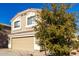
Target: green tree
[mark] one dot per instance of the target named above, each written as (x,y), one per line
(55,29)
(1,26)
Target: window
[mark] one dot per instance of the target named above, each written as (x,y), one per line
(16,24)
(31,20)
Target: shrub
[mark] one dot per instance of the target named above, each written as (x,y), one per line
(75,44)
(59,50)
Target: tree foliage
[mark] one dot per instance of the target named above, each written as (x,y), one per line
(55,29)
(4,39)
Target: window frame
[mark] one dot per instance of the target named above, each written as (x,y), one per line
(27,18)
(15,24)
(17,19)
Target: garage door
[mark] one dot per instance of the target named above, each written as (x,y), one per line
(25,43)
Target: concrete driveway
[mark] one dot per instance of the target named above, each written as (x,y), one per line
(7,52)
(10,52)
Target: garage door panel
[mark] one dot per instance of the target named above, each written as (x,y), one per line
(23,43)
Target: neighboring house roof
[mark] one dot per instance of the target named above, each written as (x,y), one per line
(5,28)
(5,25)
(25,11)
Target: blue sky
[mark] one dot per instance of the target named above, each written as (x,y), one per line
(9,10)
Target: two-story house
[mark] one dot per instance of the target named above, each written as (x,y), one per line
(22,32)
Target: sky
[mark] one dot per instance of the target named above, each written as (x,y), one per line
(9,10)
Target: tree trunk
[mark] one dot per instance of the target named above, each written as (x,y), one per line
(45,49)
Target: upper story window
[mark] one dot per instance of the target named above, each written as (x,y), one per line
(16,24)
(31,21)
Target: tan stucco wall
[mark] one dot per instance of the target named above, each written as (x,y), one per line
(25,43)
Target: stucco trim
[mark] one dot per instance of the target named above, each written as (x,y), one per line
(25,11)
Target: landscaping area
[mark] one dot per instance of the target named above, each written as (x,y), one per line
(10,52)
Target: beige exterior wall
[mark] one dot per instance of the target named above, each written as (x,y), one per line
(25,43)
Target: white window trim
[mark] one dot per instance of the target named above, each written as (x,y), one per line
(14,22)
